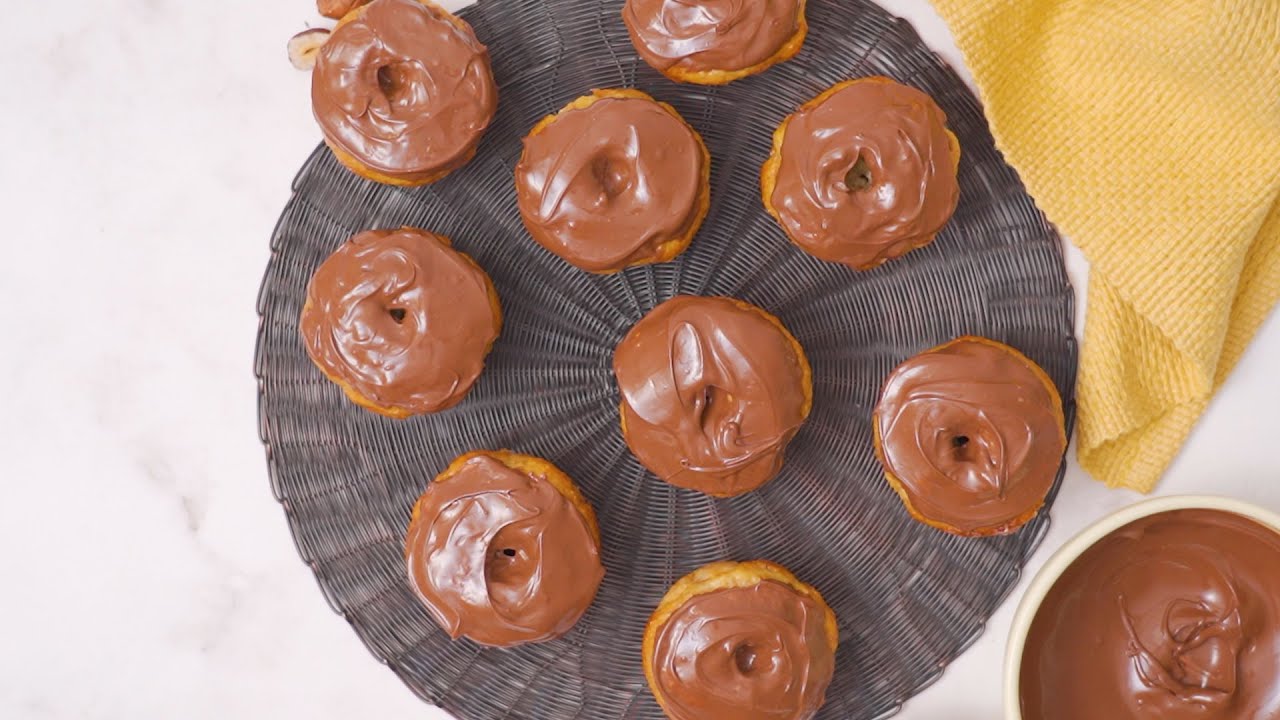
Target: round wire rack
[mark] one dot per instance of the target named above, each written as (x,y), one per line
(909,599)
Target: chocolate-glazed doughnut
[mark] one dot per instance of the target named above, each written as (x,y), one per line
(504,549)
(746,641)
(863,173)
(712,389)
(612,180)
(400,321)
(403,91)
(712,42)
(1172,617)
(971,435)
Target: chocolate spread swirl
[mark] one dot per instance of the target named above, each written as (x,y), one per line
(605,185)
(501,556)
(710,35)
(866,174)
(712,392)
(750,653)
(1173,616)
(404,88)
(401,319)
(972,432)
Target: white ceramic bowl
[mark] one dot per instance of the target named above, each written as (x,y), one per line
(1068,553)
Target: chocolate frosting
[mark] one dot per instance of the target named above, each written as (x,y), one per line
(401,319)
(750,653)
(712,392)
(501,556)
(710,35)
(404,88)
(890,141)
(973,434)
(604,186)
(1173,616)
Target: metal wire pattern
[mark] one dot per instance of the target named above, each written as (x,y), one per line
(909,598)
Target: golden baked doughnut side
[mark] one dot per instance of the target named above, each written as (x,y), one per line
(723,427)
(723,576)
(316,323)
(504,549)
(711,75)
(1059,439)
(418,177)
(662,252)
(884,250)
(537,467)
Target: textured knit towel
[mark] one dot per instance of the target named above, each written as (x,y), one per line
(1149,132)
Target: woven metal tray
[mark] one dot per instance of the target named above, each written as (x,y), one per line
(909,598)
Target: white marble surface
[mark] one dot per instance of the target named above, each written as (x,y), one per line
(146,570)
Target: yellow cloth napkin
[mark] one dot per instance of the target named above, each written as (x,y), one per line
(1148,131)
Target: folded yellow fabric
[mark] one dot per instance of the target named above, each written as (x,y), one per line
(1148,131)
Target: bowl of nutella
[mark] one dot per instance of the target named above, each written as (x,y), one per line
(1166,609)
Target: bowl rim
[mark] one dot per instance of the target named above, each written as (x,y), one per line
(1067,554)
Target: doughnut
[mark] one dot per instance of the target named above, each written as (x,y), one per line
(712,391)
(713,42)
(400,321)
(504,549)
(863,173)
(403,92)
(971,435)
(1174,616)
(614,179)
(741,640)
(338,9)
